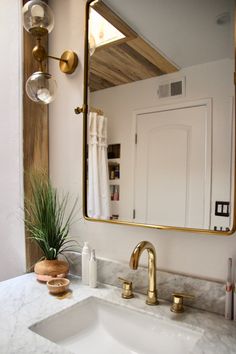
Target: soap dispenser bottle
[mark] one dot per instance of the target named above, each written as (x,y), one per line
(85,263)
(93,270)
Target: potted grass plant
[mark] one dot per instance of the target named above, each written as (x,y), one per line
(48,222)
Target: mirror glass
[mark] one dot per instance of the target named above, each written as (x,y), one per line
(160,117)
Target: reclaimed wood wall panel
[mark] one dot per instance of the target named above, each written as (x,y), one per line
(35,137)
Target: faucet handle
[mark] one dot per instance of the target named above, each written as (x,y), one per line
(178,298)
(127,291)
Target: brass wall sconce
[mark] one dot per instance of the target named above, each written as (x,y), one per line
(38,20)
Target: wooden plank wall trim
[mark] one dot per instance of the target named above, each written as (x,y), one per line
(35,137)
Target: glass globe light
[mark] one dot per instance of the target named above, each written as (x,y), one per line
(92,44)
(38,18)
(41,87)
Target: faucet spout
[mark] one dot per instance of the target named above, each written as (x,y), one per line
(134,262)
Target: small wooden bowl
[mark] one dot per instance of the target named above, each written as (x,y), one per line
(58,285)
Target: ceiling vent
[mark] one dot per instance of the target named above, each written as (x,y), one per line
(174,88)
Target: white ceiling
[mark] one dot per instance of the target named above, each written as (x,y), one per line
(185,31)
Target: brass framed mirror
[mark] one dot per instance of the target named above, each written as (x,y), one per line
(159,116)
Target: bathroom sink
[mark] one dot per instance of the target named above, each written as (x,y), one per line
(98,326)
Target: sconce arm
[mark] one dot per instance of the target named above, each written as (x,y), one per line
(56,58)
(68,61)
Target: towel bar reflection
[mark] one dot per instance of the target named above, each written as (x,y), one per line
(79,110)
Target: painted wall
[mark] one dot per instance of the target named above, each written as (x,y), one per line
(12,240)
(196,254)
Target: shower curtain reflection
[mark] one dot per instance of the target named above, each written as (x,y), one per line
(98,182)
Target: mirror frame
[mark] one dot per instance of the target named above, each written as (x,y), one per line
(84,109)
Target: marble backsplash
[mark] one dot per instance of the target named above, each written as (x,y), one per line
(209,295)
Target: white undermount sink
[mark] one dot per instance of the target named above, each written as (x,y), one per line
(98,326)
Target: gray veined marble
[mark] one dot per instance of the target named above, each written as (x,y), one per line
(209,295)
(25,302)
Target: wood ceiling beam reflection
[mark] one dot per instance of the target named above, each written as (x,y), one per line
(126,65)
(157,59)
(124,61)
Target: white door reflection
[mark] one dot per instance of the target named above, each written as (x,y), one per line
(173,149)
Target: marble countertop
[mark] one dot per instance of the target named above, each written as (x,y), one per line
(24,302)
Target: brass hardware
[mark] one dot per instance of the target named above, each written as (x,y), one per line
(97,110)
(56,58)
(178,299)
(79,110)
(39,26)
(38,32)
(134,260)
(127,291)
(39,53)
(68,62)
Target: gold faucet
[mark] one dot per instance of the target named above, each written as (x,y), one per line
(134,259)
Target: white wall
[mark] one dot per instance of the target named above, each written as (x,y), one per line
(12,239)
(195,254)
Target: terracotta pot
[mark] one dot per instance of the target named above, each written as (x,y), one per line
(48,269)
